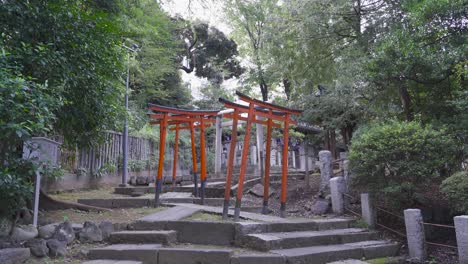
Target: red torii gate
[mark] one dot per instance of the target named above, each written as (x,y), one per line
(183,120)
(272,113)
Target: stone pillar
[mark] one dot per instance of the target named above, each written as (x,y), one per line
(260,146)
(461,228)
(346,174)
(415,234)
(253,155)
(337,189)
(326,169)
(368,210)
(293,154)
(218,146)
(302,156)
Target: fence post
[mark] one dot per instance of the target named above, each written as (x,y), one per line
(368,209)
(415,234)
(461,229)
(337,188)
(326,169)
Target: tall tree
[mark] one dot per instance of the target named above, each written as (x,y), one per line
(208,52)
(249,19)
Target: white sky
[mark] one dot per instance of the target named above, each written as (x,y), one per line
(210,11)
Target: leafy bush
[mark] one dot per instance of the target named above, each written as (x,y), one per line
(26,109)
(455,188)
(400,160)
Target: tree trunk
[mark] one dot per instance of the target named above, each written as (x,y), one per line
(263,89)
(287,88)
(405,99)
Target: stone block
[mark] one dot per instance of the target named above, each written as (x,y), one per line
(461,229)
(194,256)
(146,253)
(368,210)
(14,255)
(415,234)
(258,259)
(337,188)
(203,232)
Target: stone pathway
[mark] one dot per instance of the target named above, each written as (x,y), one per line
(167,237)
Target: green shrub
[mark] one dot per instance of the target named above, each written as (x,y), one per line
(455,188)
(400,160)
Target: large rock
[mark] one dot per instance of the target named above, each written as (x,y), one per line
(56,248)
(47,231)
(142,180)
(64,232)
(38,247)
(257,190)
(132,180)
(90,232)
(77,228)
(106,229)
(24,232)
(14,255)
(5,227)
(321,206)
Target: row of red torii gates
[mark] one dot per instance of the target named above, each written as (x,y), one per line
(270,115)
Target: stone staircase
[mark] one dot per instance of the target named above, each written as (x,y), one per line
(164,238)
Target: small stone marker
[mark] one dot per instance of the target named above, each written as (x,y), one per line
(337,188)
(326,169)
(461,228)
(415,234)
(368,210)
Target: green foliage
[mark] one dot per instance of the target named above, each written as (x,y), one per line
(400,161)
(208,52)
(455,188)
(154,65)
(15,192)
(26,110)
(74,46)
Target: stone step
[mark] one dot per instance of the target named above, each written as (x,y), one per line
(324,254)
(146,253)
(164,237)
(111,261)
(171,214)
(196,255)
(284,240)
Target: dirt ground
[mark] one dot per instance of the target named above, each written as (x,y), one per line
(127,215)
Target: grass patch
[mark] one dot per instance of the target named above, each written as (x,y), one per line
(103,193)
(204,217)
(124,215)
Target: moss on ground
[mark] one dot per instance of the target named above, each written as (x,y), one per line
(103,193)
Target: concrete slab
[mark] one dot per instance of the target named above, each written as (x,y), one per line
(164,237)
(269,241)
(146,253)
(171,214)
(258,259)
(194,256)
(176,195)
(243,215)
(348,261)
(203,232)
(325,254)
(110,261)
